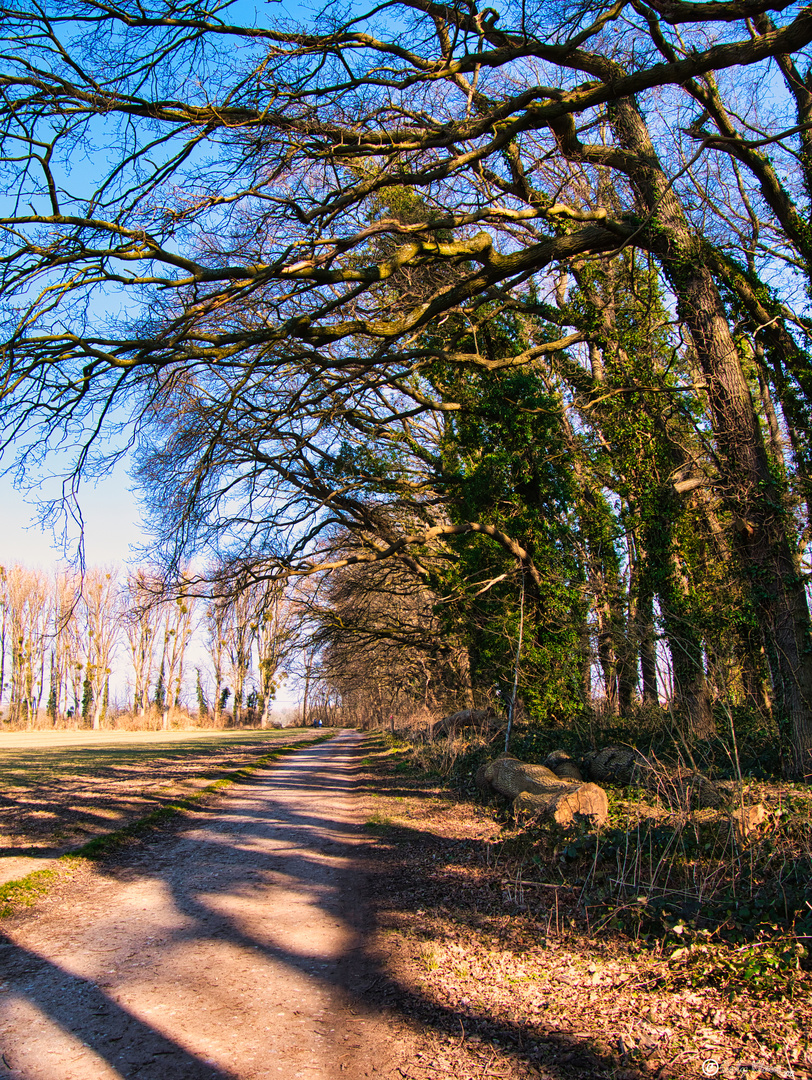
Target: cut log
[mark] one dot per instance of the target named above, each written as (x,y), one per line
(511,777)
(536,789)
(574,804)
(697,790)
(747,819)
(483,719)
(616,765)
(449,725)
(563,765)
(676,786)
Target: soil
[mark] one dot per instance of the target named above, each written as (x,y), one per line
(228,946)
(341,915)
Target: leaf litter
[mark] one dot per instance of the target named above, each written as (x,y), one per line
(499,976)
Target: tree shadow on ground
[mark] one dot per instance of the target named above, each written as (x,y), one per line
(278,831)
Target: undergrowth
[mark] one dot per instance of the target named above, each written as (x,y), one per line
(716,906)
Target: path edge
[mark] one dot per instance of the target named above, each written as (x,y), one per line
(24,892)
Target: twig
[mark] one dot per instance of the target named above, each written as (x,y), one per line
(512,712)
(486,1067)
(537,884)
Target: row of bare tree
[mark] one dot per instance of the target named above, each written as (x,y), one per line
(515,299)
(63,635)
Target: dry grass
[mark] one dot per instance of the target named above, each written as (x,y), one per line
(495,941)
(662,872)
(61,793)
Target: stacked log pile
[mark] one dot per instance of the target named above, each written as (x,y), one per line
(537,790)
(483,720)
(560,791)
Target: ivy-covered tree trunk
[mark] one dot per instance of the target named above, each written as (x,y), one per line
(628,669)
(749,487)
(648,641)
(616,637)
(646,446)
(666,578)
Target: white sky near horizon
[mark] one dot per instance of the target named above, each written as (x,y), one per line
(111,518)
(112,533)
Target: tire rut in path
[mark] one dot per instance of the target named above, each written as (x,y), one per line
(232,947)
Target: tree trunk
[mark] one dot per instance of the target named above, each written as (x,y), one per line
(748,486)
(648,646)
(628,638)
(537,790)
(606,654)
(665,577)
(308,667)
(687,654)
(266,711)
(3,640)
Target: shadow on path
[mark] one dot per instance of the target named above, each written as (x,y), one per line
(261,903)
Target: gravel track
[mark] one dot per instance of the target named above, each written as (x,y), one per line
(230,946)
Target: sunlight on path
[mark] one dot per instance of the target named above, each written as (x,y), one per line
(222,950)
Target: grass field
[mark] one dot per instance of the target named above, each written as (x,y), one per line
(60,789)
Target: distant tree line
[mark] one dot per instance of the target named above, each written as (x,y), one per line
(63,636)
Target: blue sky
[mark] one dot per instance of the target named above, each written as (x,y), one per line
(112,524)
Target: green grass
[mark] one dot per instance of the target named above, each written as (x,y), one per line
(27,890)
(378,821)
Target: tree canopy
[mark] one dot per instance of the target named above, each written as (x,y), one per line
(416,276)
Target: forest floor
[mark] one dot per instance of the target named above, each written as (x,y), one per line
(508,981)
(343,913)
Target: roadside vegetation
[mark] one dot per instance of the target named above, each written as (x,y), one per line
(648,948)
(463,357)
(668,873)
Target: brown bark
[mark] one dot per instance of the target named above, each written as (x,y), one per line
(449,725)
(537,790)
(675,785)
(749,487)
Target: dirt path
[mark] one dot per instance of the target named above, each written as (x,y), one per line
(230,947)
